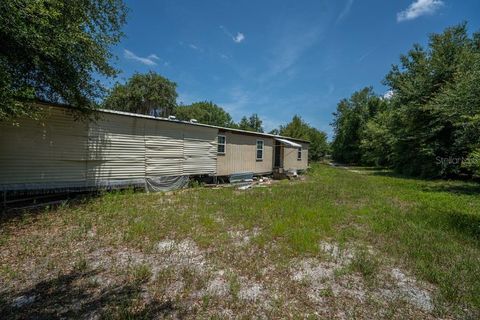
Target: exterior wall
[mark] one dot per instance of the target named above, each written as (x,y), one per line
(240,154)
(116,151)
(164,149)
(58,152)
(290,161)
(200,150)
(52,151)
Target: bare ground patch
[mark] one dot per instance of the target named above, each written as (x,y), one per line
(341,282)
(180,277)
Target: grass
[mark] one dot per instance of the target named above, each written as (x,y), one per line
(141,273)
(431,228)
(366,265)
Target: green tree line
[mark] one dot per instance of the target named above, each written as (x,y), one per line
(429,123)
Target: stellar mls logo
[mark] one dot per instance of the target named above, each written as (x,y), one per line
(455,161)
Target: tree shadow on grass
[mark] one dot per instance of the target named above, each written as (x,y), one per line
(393,174)
(464,223)
(471,189)
(439,185)
(76,296)
(36,204)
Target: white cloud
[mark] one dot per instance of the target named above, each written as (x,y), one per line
(367,53)
(289,48)
(388,95)
(345,10)
(419,8)
(237,39)
(149,60)
(194,47)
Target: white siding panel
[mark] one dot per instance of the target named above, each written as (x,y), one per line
(164,149)
(116,151)
(200,150)
(49,151)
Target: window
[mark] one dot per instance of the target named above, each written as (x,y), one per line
(221,145)
(299,154)
(259,149)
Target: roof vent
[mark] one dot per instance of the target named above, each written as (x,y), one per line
(193,121)
(173,118)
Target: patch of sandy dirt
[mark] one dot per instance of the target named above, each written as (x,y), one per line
(252,291)
(218,285)
(333,279)
(409,289)
(182,272)
(169,253)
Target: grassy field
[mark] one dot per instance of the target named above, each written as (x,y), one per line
(343,243)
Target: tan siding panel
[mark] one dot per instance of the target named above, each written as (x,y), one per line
(290,161)
(240,155)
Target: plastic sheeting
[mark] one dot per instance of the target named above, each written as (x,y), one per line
(156,184)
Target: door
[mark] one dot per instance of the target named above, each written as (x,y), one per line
(278,161)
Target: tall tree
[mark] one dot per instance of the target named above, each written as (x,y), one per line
(205,112)
(148,93)
(253,123)
(436,99)
(349,123)
(431,125)
(377,140)
(297,128)
(50,49)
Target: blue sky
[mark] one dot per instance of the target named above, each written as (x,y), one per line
(279,58)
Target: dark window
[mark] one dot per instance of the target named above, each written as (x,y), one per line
(299,153)
(259,149)
(221,145)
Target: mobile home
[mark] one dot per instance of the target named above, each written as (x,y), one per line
(259,153)
(123,149)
